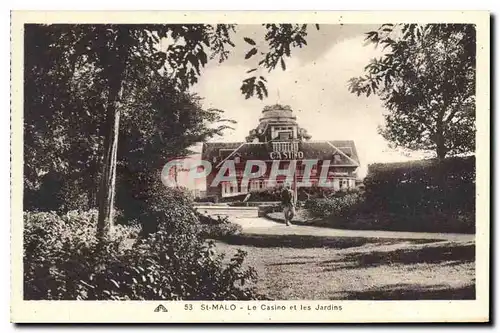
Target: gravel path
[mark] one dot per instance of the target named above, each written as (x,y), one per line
(247,218)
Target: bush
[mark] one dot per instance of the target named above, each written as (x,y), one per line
(218,228)
(422,187)
(58,249)
(220,231)
(209,200)
(168,209)
(335,206)
(64,261)
(54,192)
(274,195)
(427,196)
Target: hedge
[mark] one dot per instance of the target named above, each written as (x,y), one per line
(422,187)
(426,196)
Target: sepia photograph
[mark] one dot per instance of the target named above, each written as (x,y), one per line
(206,164)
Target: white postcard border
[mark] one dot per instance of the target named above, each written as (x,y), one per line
(352,311)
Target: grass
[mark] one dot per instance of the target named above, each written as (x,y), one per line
(296,241)
(291,267)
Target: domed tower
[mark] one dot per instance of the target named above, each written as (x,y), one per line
(278,123)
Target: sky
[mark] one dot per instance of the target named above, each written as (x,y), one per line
(314,85)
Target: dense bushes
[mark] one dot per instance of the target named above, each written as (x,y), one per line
(339,206)
(218,228)
(274,194)
(428,195)
(209,200)
(168,209)
(54,192)
(59,249)
(422,187)
(64,260)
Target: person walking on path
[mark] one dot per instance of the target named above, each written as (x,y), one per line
(288,203)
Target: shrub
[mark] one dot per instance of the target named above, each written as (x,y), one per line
(60,248)
(63,260)
(220,231)
(422,187)
(428,195)
(164,267)
(205,200)
(339,206)
(315,192)
(54,192)
(274,195)
(218,228)
(168,209)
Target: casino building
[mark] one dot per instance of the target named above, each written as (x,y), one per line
(278,137)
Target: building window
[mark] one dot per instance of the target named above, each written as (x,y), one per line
(344,183)
(285,135)
(284,147)
(228,188)
(254,185)
(314,170)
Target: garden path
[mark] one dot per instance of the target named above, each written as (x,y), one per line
(252,224)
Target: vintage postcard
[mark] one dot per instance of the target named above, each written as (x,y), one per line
(250,167)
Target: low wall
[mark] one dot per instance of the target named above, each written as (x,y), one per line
(218,207)
(235,204)
(252,203)
(261,208)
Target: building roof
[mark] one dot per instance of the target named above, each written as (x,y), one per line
(278,113)
(216,152)
(212,149)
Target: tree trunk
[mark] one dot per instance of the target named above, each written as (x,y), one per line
(441,150)
(114,63)
(107,186)
(440,141)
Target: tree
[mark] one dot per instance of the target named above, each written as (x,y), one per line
(159,124)
(121,53)
(426,80)
(64,132)
(63,119)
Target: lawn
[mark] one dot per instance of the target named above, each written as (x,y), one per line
(358,268)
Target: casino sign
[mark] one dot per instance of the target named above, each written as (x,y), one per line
(279,139)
